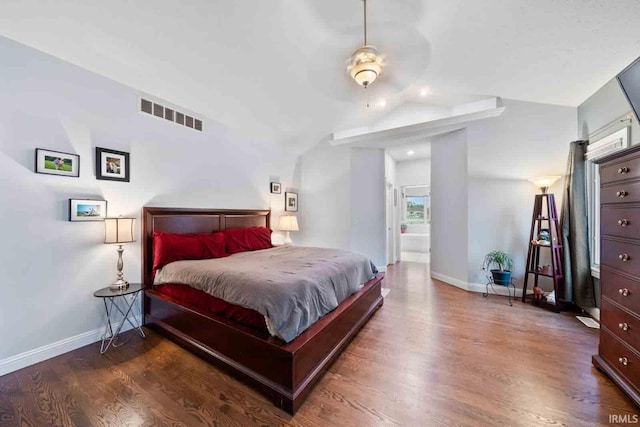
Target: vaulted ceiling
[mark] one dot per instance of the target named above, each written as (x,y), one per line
(277,68)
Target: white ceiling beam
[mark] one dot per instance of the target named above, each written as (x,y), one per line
(411,133)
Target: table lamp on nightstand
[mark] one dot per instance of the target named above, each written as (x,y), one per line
(288,223)
(119,230)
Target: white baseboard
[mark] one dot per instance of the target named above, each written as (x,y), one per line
(31,357)
(473,287)
(450,280)
(381,268)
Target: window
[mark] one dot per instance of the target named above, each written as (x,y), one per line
(415,205)
(416,209)
(598,149)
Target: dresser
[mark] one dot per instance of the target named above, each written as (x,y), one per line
(619,350)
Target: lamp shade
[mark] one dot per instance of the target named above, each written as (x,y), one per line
(544,181)
(288,223)
(365,74)
(119,230)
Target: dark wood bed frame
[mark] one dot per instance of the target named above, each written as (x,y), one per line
(285,373)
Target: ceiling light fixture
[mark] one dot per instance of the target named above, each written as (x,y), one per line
(424,92)
(410,153)
(382,103)
(366,63)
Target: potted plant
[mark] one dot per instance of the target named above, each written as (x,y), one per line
(503,262)
(403,228)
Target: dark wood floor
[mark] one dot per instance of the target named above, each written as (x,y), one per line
(433,355)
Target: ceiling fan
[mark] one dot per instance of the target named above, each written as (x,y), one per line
(366,63)
(404,62)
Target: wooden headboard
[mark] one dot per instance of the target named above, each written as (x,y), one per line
(185,220)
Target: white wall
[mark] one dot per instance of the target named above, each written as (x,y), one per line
(604,106)
(449,207)
(325,180)
(480,197)
(368,227)
(528,140)
(479,187)
(500,219)
(413,172)
(390,166)
(343,190)
(49,266)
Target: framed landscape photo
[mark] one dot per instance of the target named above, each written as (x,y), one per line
(87,210)
(57,163)
(291,202)
(112,165)
(276,188)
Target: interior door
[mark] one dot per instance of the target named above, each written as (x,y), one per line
(390,219)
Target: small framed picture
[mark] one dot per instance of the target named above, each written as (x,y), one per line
(57,163)
(87,210)
(275,188)
(112,165)
(291,202)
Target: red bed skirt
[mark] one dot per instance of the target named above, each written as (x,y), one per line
(196,299)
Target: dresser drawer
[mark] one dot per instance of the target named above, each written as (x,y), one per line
(620,323)
(621,192)
(619,356)
(620,221)
(625,292)
(621,256)
(626,167)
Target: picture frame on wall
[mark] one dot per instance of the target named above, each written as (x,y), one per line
(51,162)
(83,210)
(112,165)
(290,202)
(276,188)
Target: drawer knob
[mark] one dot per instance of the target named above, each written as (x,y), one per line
(623,170)
(621,194)
(623,361)
(623,326)
(623,222)
(623,257)
(624,292)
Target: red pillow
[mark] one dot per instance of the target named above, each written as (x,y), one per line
(169,247)
(247,239)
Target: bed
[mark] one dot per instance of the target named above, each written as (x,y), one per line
(283,372)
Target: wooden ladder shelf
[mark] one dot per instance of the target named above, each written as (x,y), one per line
(555,246)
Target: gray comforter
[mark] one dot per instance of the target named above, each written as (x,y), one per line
(290,285)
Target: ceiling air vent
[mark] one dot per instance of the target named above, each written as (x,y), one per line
(170,114)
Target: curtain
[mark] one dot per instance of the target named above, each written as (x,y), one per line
(578,283)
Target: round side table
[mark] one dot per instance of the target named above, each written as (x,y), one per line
(120,301)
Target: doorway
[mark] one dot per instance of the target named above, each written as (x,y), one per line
(415,238)
(391,203)
(408,202)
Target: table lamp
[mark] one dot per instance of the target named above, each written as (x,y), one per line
(288,223)
(119,230)
(544,182)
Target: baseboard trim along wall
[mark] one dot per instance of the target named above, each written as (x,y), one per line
(381,268)
(473,287)
(40,354)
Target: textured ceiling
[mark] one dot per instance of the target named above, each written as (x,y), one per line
(276,69)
